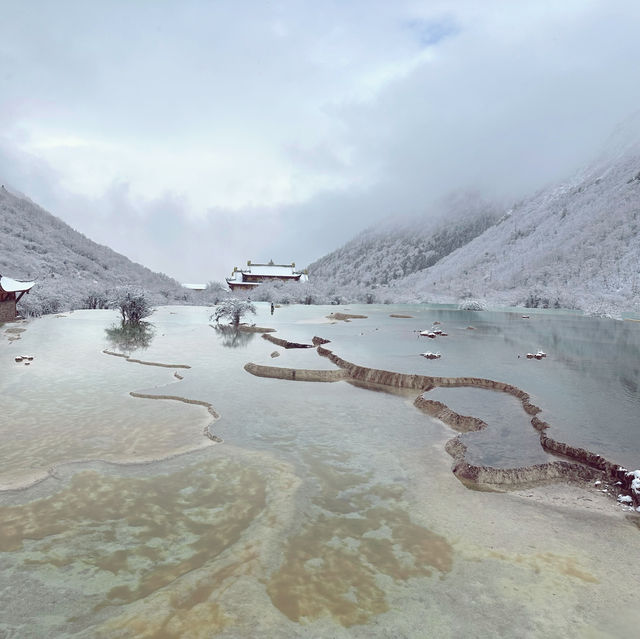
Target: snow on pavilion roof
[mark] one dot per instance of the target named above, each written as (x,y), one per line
(267,270)
(9,285)
(276,270)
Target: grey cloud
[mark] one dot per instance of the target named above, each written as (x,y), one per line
(357,111)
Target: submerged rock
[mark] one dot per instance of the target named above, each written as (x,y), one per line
(285,343)
(345,317)
(295,374)
(252,328)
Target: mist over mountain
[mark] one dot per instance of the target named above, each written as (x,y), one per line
(573,245)
(399,247)
(576,245)
(66,265)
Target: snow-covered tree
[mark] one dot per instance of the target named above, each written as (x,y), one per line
(132,304)
(234,309)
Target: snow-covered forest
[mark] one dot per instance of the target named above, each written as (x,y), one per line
(398,248)
(574,245)
(70,270)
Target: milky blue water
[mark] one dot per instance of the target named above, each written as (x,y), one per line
(588,385)
(329,510)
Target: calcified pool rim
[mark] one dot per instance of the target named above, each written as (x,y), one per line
(366,470)
(584,465)
(51,472)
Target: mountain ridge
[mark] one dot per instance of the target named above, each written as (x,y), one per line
(66,265)
(574,244)
(409,245)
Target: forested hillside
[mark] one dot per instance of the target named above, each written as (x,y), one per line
(576,245)
(395,249)
(67,266)
(573,245)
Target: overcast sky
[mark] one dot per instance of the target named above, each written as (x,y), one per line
(194,135)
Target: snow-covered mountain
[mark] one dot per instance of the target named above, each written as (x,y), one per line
(398,248)
(573,245)
(67,266)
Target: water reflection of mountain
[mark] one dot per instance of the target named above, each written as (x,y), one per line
(232,337)
(600,348)
(127,337)
(604,348)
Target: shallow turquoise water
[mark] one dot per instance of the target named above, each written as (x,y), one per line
(588,385)
(329,510)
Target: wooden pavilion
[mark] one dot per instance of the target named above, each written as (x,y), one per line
(11,291)
(255,274)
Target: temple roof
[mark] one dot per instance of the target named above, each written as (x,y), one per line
(274,270)
(277,271)
(9,285)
